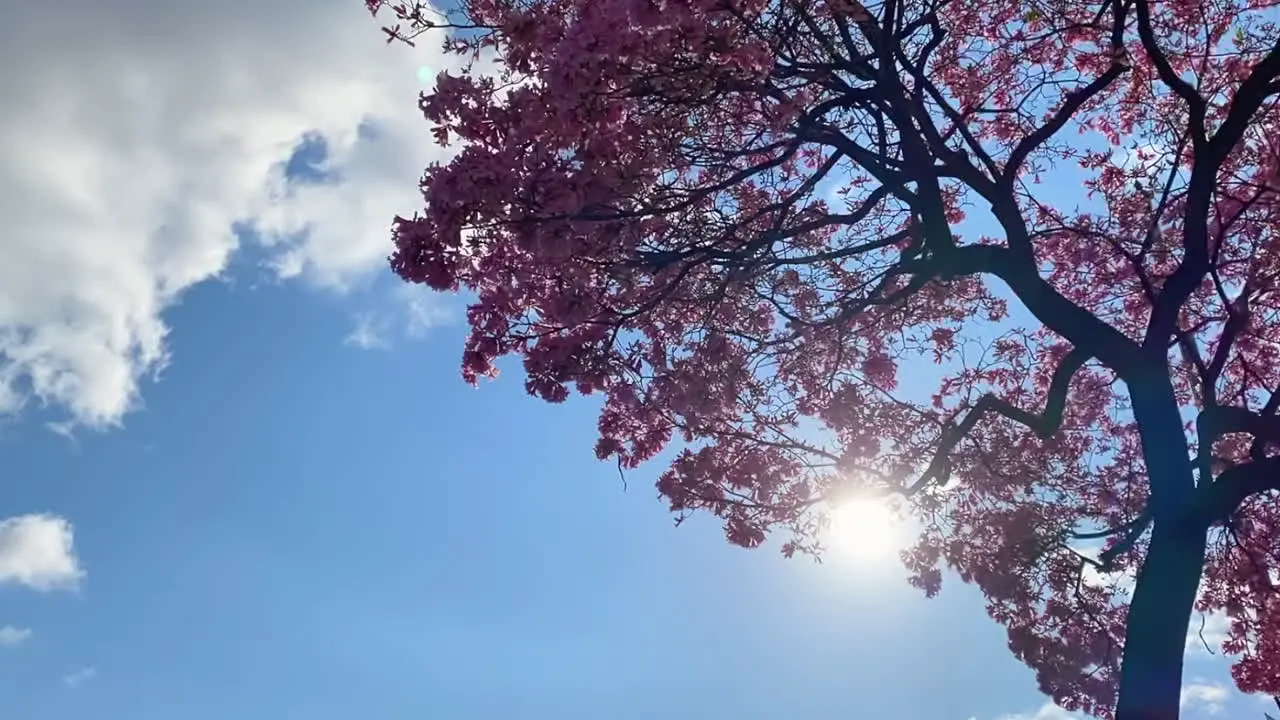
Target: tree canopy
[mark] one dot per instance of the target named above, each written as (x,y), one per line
(1014,261)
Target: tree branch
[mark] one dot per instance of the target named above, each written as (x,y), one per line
(1078,326)
(1253,91)
(1237,319)
(1120,64)
(1064,114)
(1107,558)
(1209,158)
(1044,424)
(1115,530)
(1218,420)
(1221,498)
(1195,103)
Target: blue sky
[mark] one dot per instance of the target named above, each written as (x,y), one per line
(296,527)
(243,477)
(293,527)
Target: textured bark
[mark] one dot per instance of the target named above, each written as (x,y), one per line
(1151,674)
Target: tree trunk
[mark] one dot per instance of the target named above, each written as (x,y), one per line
(1155,639)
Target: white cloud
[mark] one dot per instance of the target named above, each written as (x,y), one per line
(76,678)
(414,309)
(1209,629)
(424,309)
(38,551)
(370,333)
(1048,711)
(11,636)
(128,151)
(1204,696)
(1121,582)
(1128,158)
(1201,696)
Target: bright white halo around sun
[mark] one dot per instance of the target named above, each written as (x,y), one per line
(865,529)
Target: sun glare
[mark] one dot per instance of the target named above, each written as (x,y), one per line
(863,528)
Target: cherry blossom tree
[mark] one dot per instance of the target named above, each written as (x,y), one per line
(1014,262)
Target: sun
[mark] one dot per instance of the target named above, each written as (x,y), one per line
(863,528)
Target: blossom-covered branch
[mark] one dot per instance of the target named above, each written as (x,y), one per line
(822,246)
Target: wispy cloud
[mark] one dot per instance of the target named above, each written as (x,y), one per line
(1207,697)
(1207,632)
(11,636)
(78,677)
(424,309)
(410,312)
(1048,711)
(369,333)
(1200,696)
(1119,582)
(38,551)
